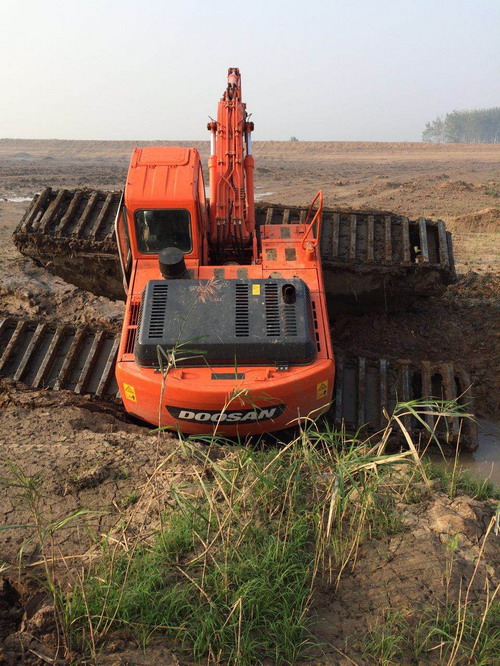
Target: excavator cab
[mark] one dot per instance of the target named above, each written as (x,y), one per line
(164,206)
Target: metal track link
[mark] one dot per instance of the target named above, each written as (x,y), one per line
(44,355)
(86,219)
(368,389)
(71,233)
(84,216)
(374,260)
(368,240)
(82,359)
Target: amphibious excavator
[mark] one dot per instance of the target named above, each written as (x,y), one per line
(226,320)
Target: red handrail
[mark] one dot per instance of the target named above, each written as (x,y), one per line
(318,216)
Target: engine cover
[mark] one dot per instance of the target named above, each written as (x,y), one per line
(229,322)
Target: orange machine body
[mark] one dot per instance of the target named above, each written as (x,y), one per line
(195,398)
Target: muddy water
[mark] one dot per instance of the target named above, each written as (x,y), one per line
(485,462)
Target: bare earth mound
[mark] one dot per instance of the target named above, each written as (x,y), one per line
(487,220)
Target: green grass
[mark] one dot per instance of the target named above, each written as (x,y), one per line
(456,481)
(249,605)
(129,499)
(387,643)
(229,573)
(469,635)
(245,600)
(449,636)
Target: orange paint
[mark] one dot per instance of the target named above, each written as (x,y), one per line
(193,399)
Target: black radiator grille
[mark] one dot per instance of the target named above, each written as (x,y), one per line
(158,310)
(272,309)
(129,345)
(133,319)
(242,312)
(290,319)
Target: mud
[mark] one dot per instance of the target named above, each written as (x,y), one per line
(406,572)
(28,289)
(86,457)
(462,326)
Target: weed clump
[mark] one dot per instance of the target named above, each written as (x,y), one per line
(229,573)
(239,544)
(452,634)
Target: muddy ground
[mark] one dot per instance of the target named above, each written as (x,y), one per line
(84,457)
(459,184)
(96,459)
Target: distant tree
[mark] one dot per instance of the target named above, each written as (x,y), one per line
(475,126)
(434,132)
(293,138)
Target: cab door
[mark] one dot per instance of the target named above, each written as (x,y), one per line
(123,242)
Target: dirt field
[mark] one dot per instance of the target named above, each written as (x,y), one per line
(95,459)
(459,184)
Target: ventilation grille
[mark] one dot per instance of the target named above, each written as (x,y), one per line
(242,312)
(129,345)
(290,318)
(158,307)
(132,327)
(134,313)
(316,329)
(272,309)
(141,310)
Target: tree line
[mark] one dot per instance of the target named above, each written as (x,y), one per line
(476,126)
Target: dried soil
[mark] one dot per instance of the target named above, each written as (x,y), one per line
(487,220)
(87,457)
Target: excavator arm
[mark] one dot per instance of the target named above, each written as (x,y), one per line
(231,165)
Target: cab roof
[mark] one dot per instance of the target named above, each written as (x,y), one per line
(161,177)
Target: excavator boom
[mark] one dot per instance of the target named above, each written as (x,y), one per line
(230,167)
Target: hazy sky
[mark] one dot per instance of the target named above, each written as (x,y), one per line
(155,69)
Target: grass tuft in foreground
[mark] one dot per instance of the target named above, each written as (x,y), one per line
(229,573)
(455,481)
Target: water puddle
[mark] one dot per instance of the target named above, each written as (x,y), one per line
(17,199)
(485,462)
(260,195)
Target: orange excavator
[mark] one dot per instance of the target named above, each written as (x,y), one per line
(226,325)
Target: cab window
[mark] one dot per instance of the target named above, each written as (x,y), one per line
(157,229)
